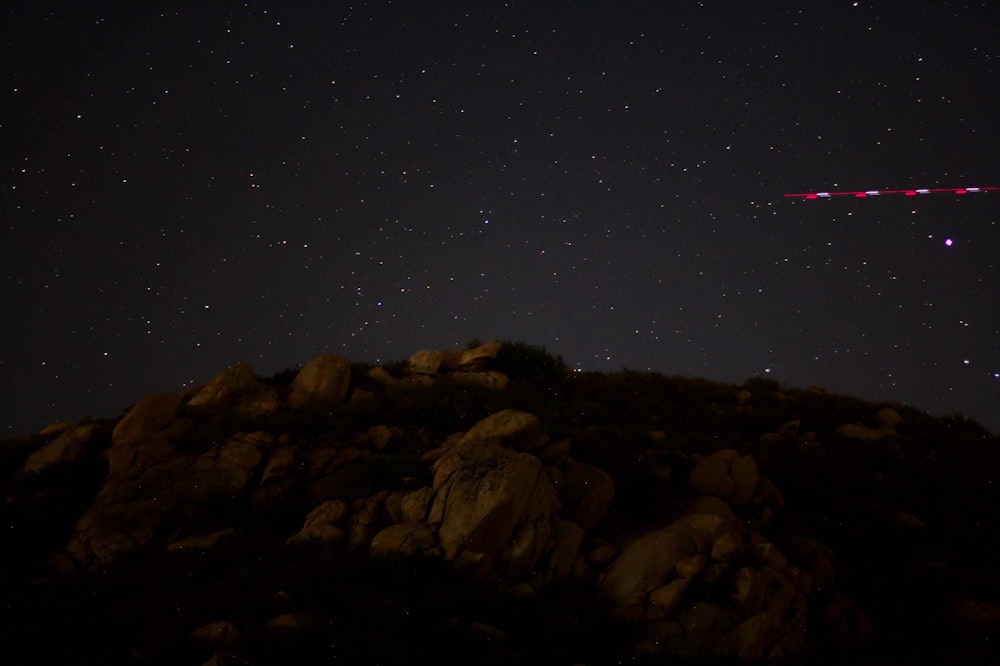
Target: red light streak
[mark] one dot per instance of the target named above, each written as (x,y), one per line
(861,194)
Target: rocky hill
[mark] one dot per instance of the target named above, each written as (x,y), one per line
(488,504)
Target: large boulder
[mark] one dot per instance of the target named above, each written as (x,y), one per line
(564,548)
(70,447)
(223,470)
(150,417)
(322,383)
(432,361)
(887,417)
(145,435)
(471,358)
(727,475)
(322,523)
(108,530)
(231,382)
(492,379)
(493,503)
(516,429)
(651,560)
(429,361)
(160,500)
(403,538)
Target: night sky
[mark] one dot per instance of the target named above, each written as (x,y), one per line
(219,182)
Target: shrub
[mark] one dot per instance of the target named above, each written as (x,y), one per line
(527,363)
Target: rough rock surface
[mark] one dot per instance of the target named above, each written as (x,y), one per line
(515,428)
(145,435)
(134,503)
(69,448)
(485,494)
(403,538)
(231,382)
(727,475)
(651,560)
(322,382)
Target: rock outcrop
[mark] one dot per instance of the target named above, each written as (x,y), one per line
(250,517)
(462,366)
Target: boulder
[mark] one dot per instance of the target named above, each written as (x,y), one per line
(361,526)
(55,428)
(770,555)
(321,523)
(472,357)
(516,429)
(108,530)
(150,417)
(403,538)
(563,550)
(221,472)
(135,458)
(790,429)
(394,506)
(555,453)
(280,463)
(322,383)
(727,475)
(493,379)
(221,634)
(225,387)
(651,560)
(382,377)
(484,495)
(68,448)
(416,381)
(531,537)
(428,362)
(887,417)
(768,492)
(664,600)
(413,506)
(690,567)
(713,505)
(748,592)
(159,499)
(143,436)
(727,546)
(377,437)
(601,552)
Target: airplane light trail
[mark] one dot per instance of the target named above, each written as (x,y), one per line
(875,193)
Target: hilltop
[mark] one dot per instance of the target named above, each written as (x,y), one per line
(489,501)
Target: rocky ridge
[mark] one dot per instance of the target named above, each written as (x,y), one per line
(329,514)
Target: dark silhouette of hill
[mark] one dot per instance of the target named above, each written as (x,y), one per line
(490,502)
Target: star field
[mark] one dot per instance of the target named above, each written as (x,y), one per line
(266,182)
